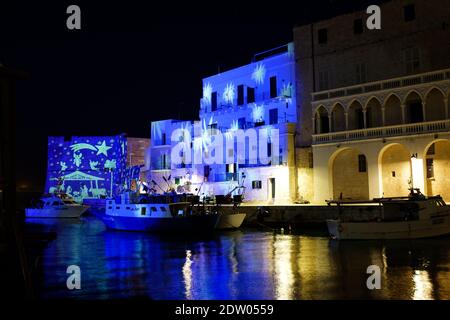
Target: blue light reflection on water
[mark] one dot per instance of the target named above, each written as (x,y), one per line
(245,264)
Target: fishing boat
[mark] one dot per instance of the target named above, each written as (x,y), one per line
(56,206)
(156,213)
(230,219)
(411,217)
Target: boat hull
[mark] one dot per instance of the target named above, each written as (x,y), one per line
(414,229)
(230,221)
(64,212)
(191,224)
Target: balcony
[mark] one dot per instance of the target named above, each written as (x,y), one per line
(389,84)
(383,132)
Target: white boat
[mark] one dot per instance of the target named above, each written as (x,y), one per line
(56,207)
(412,217)
(230,220)
(163,213)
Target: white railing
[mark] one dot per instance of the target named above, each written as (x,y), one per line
(383,132)
(382,85)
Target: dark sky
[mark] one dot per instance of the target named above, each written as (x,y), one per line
(132,62)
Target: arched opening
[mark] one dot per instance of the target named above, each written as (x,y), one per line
(392,111)
(435,106)
(322,124)
(395,164)
(437,163)
(338,118)
(413,108)
(374,115)
(355,116)
(349,175)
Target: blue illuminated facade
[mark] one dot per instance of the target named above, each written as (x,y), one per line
(257,97)
(90,167)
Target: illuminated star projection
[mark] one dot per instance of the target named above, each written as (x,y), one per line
(229,93)
(286,90)
(103,149)
(259,73)
(258,113)
(91,167)
(207,91)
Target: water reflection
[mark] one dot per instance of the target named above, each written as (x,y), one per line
(423,288)
(244,264)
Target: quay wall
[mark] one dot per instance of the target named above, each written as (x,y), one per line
(301,215)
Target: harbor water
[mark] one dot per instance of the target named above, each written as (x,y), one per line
(240,264)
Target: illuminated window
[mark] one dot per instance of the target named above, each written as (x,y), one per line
(362,163)
(430,168)
(250,95)
(240,96)
(214,101)
(273,116)
(323,36)
(358,26)
(256,184)
(273,87)
(241,123)
(409,12)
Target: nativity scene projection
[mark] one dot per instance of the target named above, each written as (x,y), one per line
(86,167)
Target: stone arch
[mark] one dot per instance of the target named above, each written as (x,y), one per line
(321,120)
(437,168)
(374,113)
(413,107)
(355,115)
(348,174)
(394,164)
(434,105)
(392,110)
(338,122)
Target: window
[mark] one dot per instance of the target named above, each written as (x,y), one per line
(409,12)
(430,168)
(362,163)
(214,101)
(206,171)
(164,161)
(323,80)
(431,150)
(310,160)
(323,36)
(361,73)
(273,116)
(143,211)
(273,87)
(358,26)
(240,95)
(256,184)
(412,60)
(177,180)
(250,95)
(269,149)
(163,139)
(241,123)
(393,174)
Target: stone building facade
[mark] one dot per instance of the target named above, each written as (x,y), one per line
(373,104)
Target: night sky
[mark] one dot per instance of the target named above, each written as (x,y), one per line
(131,63)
